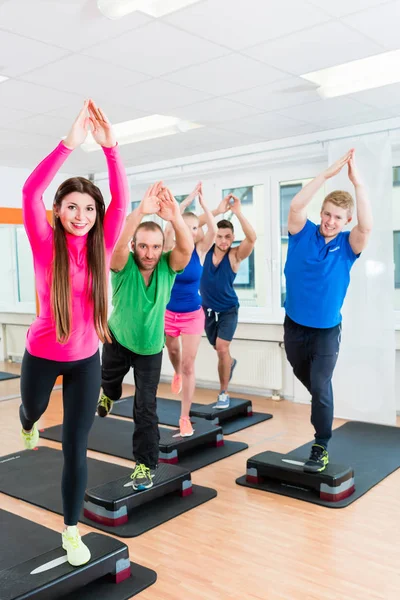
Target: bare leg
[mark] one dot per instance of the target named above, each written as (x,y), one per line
(190,345)
(224,363)
(174,353)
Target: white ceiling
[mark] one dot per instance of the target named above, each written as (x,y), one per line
(231,65)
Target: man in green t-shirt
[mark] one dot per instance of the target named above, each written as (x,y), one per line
(142,281)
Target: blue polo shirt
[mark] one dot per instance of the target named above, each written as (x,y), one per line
(317,276)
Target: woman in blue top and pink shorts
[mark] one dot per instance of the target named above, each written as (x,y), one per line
(184,316)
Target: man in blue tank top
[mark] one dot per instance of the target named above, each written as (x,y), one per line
(219,299)
(317,274)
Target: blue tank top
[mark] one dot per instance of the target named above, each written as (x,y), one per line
(185,295)
(216,284)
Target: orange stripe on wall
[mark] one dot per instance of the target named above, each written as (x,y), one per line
(13,216)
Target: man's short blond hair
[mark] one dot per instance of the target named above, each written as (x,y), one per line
(340,198)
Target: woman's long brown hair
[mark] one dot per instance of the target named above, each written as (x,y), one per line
(97,285)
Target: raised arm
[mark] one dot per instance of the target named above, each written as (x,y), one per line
(34,210)
(184,246)
(360,233)
(246,246)
(207,241)
(149,205)
(222,208)
(189,199)
(169,238)
(298,207)
(104,135)
(36,224)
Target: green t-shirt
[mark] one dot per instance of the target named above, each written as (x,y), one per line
(137,319)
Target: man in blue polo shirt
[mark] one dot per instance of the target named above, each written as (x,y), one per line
(317,274)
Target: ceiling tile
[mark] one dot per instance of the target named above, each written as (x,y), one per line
(383,97)
(85,76)
(339,8)
(155,49)
(35,98)
(226,75)
(19,55)
(216,110)
(71,24)
(280,94)
(267,126)
(159,96)
(322,111)
(11,115)
(315,48)
(380,23)
(240,24)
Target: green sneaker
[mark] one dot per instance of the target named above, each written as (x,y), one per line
(104,405)
(142,477)
(30,438)
(318,461)
(77,552)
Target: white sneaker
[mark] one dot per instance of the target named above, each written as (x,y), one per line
(30,438)
(223,400)
(77,552)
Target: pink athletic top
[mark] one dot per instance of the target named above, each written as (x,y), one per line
(41,337)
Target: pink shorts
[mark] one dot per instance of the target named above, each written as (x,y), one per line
(190,323)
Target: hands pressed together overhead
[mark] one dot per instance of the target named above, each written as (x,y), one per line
(91,119)
(159,200)
(337,166)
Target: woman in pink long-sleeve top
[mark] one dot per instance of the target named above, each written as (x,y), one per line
(71,260)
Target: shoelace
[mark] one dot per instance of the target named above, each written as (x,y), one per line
(29,435)
(316,453)
(106,402)
(140,470)
(74,540)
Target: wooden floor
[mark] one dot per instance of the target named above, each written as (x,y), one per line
(246,544)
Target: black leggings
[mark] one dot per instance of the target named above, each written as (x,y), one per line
(81,388)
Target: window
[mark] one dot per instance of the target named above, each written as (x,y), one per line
(16,271)
(192,205)
(287,191)
(396,236)
(251,283)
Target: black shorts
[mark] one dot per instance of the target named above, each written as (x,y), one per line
(221,324)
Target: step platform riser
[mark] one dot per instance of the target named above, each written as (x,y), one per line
(114,503)
(217,416)
(172,457)
(332,485)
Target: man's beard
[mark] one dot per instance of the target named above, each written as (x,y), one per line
(144,266)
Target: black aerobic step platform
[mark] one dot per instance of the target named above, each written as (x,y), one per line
(114,436)
(238,416)
(372,450)
(111,503)
(173,446)
(335,483)
(34,476)
(34,566)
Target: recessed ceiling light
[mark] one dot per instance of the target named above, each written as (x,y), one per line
(357,75)
(115,9)
(3,78)
(146,128)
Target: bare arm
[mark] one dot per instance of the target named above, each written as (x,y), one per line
(360,234)
(246,246)
(184,246)
(189,199)
(169,238)
(207,241)
(298,207)
(222,208)
(150,204)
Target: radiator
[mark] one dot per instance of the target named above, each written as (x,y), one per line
(260,364)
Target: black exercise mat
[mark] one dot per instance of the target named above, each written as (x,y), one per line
(21,540)
(114,436)
(4,376)
(371,450)
(169,412)
(35,477)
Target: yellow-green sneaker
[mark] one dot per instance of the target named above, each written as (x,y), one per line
(104,405)
(77,552)
(30,438)
(318,461)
